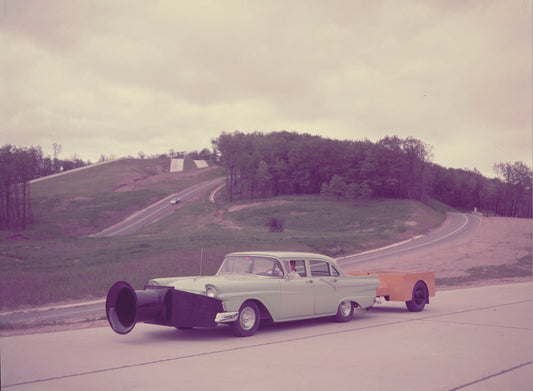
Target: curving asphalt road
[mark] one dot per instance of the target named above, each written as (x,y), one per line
(456,226)
(157,211)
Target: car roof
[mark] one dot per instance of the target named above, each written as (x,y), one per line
(284,255)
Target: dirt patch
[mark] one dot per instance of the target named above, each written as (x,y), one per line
(140,182)
(230,224)
(237,208)
(499,251)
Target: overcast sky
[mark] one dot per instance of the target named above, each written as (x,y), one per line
(119,77)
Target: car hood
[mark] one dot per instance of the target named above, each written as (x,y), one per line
(197,284)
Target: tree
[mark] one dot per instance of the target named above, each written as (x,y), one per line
(390,168)
(418,155)
(336,187)
(205,154)
(518,183)
(17,167)
(6,179)
(264,179)
(57,150)
(228,150)
(359,191)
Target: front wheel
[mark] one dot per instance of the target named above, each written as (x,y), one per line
(248,320)
(420,297)
(345,311)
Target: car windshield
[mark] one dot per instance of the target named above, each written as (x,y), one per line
(257,266)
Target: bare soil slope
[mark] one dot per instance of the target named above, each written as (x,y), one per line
(499,251)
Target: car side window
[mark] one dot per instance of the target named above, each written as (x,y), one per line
(334,271)
(300,268)
(267,267)
(319,268)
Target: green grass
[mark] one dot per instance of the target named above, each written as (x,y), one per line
(87,201)
(56,259)
(336,228)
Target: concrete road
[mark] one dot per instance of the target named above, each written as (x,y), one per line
(470,339)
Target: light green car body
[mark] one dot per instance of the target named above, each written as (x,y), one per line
(318,290)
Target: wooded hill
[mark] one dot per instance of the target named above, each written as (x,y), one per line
(281,163)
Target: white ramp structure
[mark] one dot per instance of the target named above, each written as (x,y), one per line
(201,163)
(176,165)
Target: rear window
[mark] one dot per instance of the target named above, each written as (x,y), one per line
(319,269)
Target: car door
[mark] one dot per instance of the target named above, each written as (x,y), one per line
(325,281)
(297,294)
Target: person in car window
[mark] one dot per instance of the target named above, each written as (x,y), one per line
(293,273)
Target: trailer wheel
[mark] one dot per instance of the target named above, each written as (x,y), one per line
(420,297)
(248,320)
(344,312)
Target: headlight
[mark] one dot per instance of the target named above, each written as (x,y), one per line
(210,291)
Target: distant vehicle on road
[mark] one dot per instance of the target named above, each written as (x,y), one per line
(175,201)
(254,286)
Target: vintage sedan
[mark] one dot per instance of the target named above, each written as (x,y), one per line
(249,287)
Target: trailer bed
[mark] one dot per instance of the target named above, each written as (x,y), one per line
(405,286)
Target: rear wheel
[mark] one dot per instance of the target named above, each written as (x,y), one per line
(420,297)
(345,311)
(248,320)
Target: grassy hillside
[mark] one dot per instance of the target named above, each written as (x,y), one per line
(56,260)
(87,201)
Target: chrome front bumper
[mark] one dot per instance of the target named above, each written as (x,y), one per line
(226,317)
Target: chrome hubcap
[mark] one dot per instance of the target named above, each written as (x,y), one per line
(346,307)
(247,318)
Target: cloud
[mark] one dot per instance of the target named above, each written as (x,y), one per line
(114,78)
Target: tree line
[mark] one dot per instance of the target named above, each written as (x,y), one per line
(282,163)
(18,166)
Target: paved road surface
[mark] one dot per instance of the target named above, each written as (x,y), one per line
(472,339)
(456,226)
(157,211)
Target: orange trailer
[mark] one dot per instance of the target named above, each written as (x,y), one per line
(414,288)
